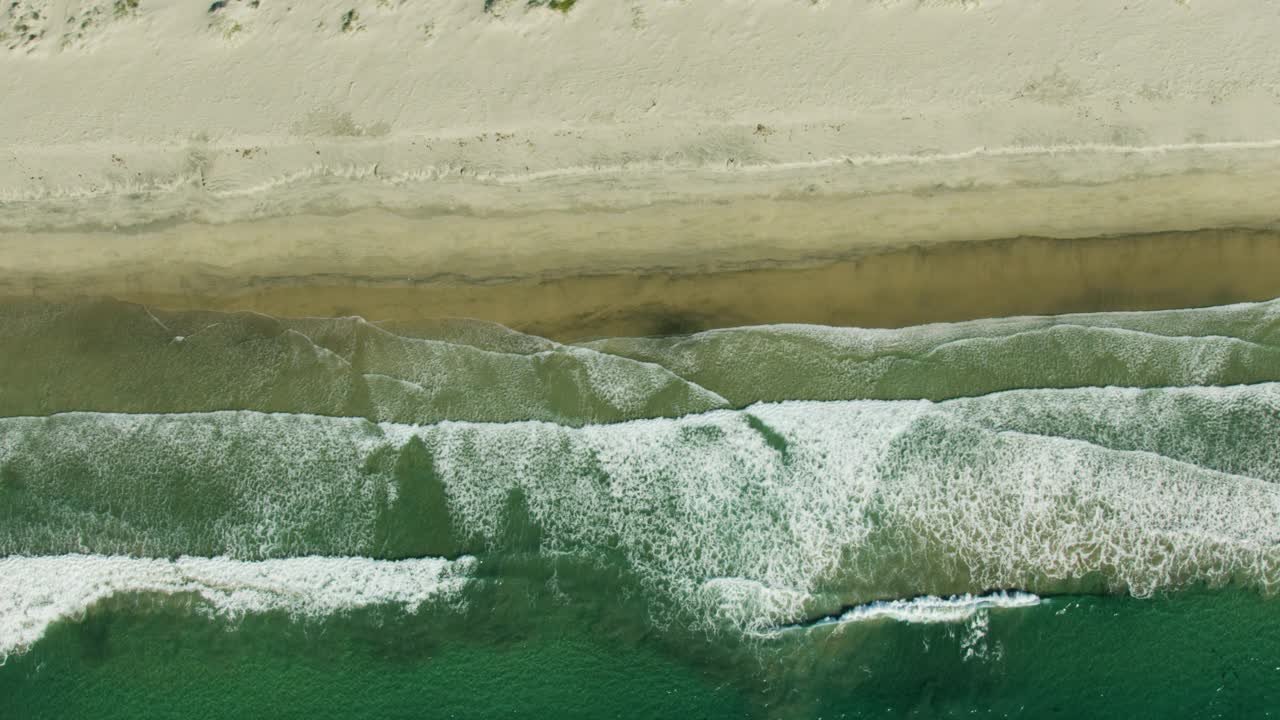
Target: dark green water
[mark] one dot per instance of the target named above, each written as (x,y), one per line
(1190,655)
(208,515)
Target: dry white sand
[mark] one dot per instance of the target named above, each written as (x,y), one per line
(155,145)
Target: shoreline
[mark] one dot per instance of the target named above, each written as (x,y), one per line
(896,288)
(572,258)
(630,168)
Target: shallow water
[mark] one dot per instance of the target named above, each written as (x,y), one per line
(206,513)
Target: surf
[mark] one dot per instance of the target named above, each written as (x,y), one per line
(744,519)
(36,592)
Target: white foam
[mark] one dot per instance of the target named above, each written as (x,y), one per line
(1223,428)
(1185,323)
(931,609)
(869,494)
(289,475)
(747,518)
(36,592)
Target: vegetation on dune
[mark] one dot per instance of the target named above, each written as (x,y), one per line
(124,7)
(562,5)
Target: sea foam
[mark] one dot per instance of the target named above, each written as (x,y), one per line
(36,592)
(926,609)
(749,518)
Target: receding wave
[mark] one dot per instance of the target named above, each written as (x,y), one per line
(1228,345)
(927,609)
(117,357)
(111,356)
(747,519)
(36,592)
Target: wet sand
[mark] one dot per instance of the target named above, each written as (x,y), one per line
(869,259)
(915,285)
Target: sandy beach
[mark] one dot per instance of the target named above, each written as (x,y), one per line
(881,260)
(873,163)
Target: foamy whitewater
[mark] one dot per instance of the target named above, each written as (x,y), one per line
(36,592)
(799,504)
(941,461)
(928,609)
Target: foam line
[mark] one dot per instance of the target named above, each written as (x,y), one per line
(36,592)
(926,609)
(748,519)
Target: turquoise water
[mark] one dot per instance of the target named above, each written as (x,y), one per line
(206,514)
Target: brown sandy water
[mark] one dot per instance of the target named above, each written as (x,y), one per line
(947,282)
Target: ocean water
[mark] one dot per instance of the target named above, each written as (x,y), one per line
(209,515)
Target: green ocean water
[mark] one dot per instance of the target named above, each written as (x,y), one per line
(208,514)
(1204,655)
